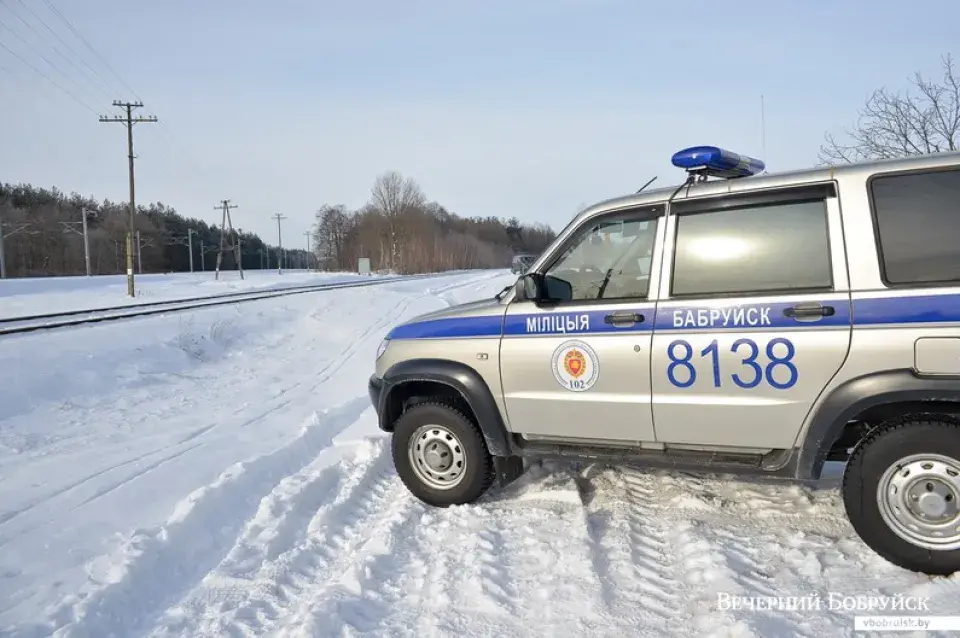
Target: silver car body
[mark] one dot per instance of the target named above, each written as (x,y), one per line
(771,392)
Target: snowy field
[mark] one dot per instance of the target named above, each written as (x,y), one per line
(219,473)
(35,295)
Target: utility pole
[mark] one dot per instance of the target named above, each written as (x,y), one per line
(278,217)
(129,121)
(69,226)
(309,261)
(225,207)
(140,246)
(86,242)
(203,265)
(3,260)
(19,229)
(190,232)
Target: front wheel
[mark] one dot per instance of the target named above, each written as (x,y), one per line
(440,455)
(901,490)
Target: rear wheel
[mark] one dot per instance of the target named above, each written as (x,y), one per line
(440,455)
(901,490)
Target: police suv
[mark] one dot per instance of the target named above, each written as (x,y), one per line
(750,323)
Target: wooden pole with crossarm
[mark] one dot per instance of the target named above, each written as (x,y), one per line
(128,120)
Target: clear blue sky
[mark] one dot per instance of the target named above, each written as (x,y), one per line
(529,108)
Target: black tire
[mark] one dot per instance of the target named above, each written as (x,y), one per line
(478,474)
(874,455)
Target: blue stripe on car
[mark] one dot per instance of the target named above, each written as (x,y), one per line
(868,311)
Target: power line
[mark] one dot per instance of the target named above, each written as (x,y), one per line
(64,43)
(39,54)
(129,121)
(86,76)
(48,79)
(89,46)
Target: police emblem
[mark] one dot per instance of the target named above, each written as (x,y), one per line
(575,366)
(575,363)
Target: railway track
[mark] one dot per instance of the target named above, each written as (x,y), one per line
(70,318)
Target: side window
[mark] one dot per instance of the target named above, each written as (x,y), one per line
(608,258)
(918,222)
(753,250)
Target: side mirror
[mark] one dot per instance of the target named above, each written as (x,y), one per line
(557,289)
(542,289)
(529,287)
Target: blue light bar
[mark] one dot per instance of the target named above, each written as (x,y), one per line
(716,161)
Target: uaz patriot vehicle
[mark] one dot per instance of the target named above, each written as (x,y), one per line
(752,323)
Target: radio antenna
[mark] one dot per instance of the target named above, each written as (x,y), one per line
(763,129)
(648,183)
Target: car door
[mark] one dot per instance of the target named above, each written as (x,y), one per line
(753,319)
(578,367)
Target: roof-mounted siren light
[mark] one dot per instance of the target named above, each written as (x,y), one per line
(712,161)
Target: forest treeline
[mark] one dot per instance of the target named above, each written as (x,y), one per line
(42,236)
(401,231)
(398,229)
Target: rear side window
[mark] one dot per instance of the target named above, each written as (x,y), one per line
(760,249)
(918,226)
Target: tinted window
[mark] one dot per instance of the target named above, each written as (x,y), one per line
(608,258)
(753,250)
(918,219)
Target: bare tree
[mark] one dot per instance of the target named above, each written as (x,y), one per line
(896,125)
(394,197)
(333,225)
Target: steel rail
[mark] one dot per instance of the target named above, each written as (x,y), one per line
(168,302)
(116,313)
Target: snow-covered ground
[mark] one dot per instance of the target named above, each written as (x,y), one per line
(35,295)
(219,473)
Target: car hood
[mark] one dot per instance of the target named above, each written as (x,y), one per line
(483,308)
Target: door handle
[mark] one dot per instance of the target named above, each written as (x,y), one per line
(808,311)
(623,318)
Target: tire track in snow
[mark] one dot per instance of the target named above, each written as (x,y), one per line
(9,516)
(544,553)
(704,564)
(406,582)
(354,581)
(157,565)
(264,578)
(723,560)
(142,471)
(631,553)
(755,577)
(359,594)
(467,570)
(448,575)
